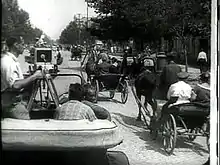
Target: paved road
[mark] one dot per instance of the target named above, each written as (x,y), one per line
(137,144)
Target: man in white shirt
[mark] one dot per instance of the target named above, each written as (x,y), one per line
(202,61)
(178,93)
(180,90)
(12,81)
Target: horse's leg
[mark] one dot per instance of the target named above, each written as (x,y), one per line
(139,108)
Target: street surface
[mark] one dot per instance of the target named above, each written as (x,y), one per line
(137,144)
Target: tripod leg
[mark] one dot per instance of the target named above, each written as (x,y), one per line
(33,95)
(52,91)
(41,100)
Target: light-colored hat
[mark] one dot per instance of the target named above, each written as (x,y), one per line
(104,56)
(98,42)
(148,62)
(182,75)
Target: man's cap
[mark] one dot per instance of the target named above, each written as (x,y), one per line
(183,75)
(98,42)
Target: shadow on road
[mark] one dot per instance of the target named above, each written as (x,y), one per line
(129,121)
(106,98)
(156,145)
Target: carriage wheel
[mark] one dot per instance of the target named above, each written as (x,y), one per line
(207,135)
(111,94)
(95,84)
(169,134)
(124,92)
(195,131)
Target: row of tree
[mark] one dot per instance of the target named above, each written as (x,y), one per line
(15,22)
(149,20)
(76,32)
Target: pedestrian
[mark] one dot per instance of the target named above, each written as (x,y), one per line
(12,81)
(202,61)
(168,75)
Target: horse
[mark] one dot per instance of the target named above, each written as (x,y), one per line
(145,85)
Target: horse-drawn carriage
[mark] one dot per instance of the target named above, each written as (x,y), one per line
(76,52)
(112,83)
(189,119)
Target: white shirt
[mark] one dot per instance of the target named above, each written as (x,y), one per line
(202,55)
(10,70)
(181,90)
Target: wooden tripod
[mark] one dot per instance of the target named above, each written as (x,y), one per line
(48,81)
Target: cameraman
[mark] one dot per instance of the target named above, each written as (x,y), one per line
(12,81)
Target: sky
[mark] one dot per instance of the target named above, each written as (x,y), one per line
(52,16)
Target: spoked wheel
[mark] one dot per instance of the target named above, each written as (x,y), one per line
(95,84)
(207,135)
(169,134)
(111,94)
(124,91)
(195,131)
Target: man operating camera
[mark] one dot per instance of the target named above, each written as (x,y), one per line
(12,81)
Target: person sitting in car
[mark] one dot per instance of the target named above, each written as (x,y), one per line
(86,94)
(74,109)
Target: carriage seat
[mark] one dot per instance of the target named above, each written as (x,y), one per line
(190,109)
(110,81)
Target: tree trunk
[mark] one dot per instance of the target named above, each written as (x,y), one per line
(185,53)
(186,59)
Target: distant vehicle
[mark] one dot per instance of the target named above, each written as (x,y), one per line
(54,48)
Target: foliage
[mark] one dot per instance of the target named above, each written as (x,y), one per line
(152,19)
(74,33)
(15,22)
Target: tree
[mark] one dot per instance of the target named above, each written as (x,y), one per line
(149,20)
(15,22)
(74,33)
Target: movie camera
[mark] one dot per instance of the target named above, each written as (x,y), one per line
(41,57)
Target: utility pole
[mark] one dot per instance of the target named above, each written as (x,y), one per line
(79,27)
(87,24)
(79,22)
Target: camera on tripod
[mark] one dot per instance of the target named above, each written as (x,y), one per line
(41,58)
